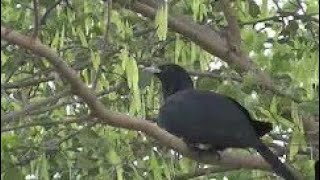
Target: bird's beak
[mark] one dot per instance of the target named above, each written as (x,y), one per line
(152,69)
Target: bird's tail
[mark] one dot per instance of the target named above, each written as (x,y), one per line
(277,166)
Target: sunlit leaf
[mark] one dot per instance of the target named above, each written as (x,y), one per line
(161,21)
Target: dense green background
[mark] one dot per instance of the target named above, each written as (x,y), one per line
(107,44)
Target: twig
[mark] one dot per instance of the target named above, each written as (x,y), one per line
(215,75)
(278,18)
(36,18)
(70,136)
(51,123)
(16,114)
(304,12)
(46,14)
(51,146)
(30,82)
(63,103)
(60,104)
(108,8)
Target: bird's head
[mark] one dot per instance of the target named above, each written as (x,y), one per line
(173,78)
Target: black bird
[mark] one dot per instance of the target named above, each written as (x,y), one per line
(205,117)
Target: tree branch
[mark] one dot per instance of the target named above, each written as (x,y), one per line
(36,18)
(234,37)
(46,14)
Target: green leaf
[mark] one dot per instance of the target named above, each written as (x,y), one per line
(284,122)
(193,52)
(295,142)
(265,112)
(132,73)
(113,157)
(137,176)
(264,8)
(62,37)
(119,170)
(274,106)
(185,165)
(44,173)
(311,108)
(195,9)
(88,138)
(155,167)
(3,58)
(203,11)
(295,115)
(297,138)
(13,173)
(96,61)
(205,59)
(177,49)
(84,162)
(166,171)
(55,40)
(82,37)
(161,22)
(123,56)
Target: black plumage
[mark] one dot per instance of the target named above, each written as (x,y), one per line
(205,117)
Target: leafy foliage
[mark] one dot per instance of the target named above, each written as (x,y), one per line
(106,44)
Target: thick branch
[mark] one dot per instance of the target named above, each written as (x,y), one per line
(36,18)
(234,37)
